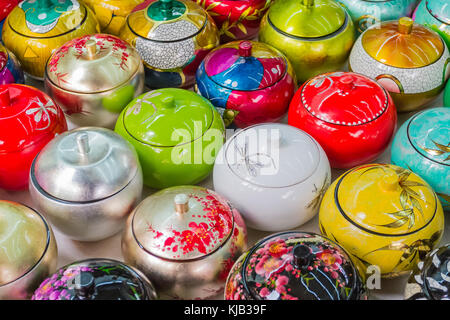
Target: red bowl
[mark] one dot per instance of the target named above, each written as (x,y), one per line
(350,115)
(29,119)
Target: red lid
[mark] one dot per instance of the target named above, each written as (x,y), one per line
(6,6)
(344,98)
(26,115)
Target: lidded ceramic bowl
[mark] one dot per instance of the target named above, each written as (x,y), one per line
(430,279)
(29,119)
(34,29)
(10,69)
(177,135)
(422,144)
(275,175)
(384,215)
(236,20)
(96,279)
(350,115)
(87,181)
(295,266)
(112,14)
(6,7)
(365,13)
(315,35)
(408,59)
(185,239)
(248,81)
(93,78)
(28,250)
(173,37)
(434,14)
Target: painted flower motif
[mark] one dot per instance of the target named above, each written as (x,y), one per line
(42,112)
(267,266)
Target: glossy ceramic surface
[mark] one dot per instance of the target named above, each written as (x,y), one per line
(34,29)
(430,280)
(29,120)
(177,135)
(251,80)
(434,14)
(93,78)
(28,250)
(295,266)
(173,37)
(87,181)
(6,7)
(236,20)
(278,175)
(384,215)
(10,69)
(422,144)
(298,29)
(409,60)
(365,13)
(176,232)
(112,14)
(340,108)
(96,279)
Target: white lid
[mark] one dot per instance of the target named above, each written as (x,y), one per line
(272,155)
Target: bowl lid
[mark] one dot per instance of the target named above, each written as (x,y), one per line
(182,223)
(85,164)
(6,6)
(24,236)
(307,18)
(402,44)
(93,63)
(429,133)
(405,203)
(299,265)
(153,117)
(436,274)
(167,20)
(29,113)
(272,155)
(360,99)
(95,279)
(245,66)
(47,18)
(440,9)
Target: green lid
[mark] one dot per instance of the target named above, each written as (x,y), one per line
(165,10)
(168,117)
(307,18)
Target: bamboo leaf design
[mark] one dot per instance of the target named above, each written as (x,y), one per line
(441,147)
(242,28)
(412,184)
(212,6)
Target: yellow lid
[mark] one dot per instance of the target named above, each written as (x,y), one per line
(385,199)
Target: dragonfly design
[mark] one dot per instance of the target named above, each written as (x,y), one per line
(42,112)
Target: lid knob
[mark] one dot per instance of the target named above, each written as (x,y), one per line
(405,25)
(347,82)
(389,182)
(5,98)
(91,49)
(181,203)
(169,102)
(166,7)
(84,287)
(302,256)
(47,3)
(245,49)
(308,3)
(83,143)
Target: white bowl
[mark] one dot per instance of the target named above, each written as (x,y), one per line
(274,174)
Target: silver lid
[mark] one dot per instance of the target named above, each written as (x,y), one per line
(85,164)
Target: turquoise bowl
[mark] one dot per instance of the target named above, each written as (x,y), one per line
(365,13)
(422,144)
(435,14)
